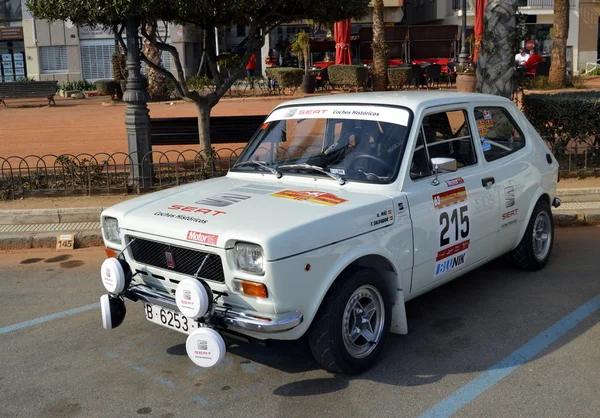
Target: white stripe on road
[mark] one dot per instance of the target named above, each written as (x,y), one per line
(42,319)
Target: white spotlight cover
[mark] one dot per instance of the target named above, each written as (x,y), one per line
(205,347)
(192,298)
(113,275)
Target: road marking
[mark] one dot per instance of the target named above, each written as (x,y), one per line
(47,318)
(499,371)
(141,369)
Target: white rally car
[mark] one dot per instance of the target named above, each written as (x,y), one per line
(340,210)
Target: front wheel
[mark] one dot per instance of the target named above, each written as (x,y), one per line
(352,324)
(533,252)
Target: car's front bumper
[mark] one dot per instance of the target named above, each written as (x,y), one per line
(228,318)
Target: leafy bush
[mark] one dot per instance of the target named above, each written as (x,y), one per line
(595,71)
(24,79)
(398,77)
(286,77)
(577,82)
(81,85)
(563,117)
(348,76)
(540,83)
(107,87)
(198,83)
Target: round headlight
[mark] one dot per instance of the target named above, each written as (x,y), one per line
(111,230)
(249,257)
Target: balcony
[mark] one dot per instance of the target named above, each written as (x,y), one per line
(530,4)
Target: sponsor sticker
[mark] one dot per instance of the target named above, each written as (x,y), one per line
(384,217)
(449,198)
(201,237)
(480,124)
(489,123)
(483,131)
(509,214)
(194,209)
(445,264)
(323,198)
(486,146)
(487,115)
(509,196)
(455,182)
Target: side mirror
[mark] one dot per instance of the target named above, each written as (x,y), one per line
(442,164)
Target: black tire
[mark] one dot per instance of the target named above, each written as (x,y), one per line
(524,256)
(325,336)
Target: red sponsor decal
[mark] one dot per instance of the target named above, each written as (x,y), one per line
(195,209)
(455,249)
(449,197)
(323,198)
(510,214)
(202,237)
(264,126)
(455,182)
(312,112)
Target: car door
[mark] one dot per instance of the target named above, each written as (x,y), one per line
(505,155)
(449,233)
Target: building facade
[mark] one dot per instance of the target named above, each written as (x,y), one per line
(584,23)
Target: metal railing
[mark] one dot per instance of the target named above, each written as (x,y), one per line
(86,174)
(532,4)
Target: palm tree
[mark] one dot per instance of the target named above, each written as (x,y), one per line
(496,62)
(558,69)
(380,50)
(157,86)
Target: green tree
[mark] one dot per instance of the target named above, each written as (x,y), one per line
(495,61)
(261,16)
(558,68)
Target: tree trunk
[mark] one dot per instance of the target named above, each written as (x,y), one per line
(380,50)
(558,69)
(204,125)
(496,62)
(157,86)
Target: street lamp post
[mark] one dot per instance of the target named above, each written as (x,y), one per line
(137,120)
(464,54)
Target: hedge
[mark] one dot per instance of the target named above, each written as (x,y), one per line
(348,76)
(398,77)
(107,87)
(286,77)
(560,118)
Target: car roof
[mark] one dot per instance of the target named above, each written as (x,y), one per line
(413,100)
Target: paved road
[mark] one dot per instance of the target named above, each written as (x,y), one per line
(70,367)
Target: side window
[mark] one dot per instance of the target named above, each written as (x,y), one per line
(447,135)
(420,166)
(498,132)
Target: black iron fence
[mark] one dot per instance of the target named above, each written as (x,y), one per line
(86,174)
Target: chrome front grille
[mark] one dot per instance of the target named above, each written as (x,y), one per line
(178,259)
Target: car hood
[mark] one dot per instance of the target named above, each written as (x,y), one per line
(284,220)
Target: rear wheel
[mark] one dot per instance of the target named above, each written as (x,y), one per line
(352,324)
(533,252)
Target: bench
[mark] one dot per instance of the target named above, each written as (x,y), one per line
(25,89)
(223,129)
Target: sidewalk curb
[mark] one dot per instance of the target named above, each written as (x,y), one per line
(93,238)
(589,194)
(26,241)
(50,216)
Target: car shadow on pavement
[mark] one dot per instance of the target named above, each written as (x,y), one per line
(467,325)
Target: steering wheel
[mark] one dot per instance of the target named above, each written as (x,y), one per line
(372,158)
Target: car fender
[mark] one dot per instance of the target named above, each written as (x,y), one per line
(392,278)
(538,193)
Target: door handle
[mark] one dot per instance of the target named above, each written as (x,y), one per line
(488,182)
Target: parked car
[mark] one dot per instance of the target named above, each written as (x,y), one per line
(339,211)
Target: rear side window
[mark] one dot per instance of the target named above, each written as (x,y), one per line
(498,132)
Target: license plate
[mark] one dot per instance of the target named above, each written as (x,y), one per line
(170,319)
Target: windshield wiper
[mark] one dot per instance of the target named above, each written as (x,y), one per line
(336,177)
(261,164)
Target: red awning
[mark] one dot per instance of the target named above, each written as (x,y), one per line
(342,34)
(478,29)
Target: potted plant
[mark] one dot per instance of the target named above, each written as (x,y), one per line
(466,78)
(301,47)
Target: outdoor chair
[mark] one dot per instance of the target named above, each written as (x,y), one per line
(451,66)
(414,75)
(541,69)
(433,72)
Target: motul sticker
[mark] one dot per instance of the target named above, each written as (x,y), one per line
(449,198)
(202,237)
(328,199)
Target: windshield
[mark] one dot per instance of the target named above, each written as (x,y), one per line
(360,143)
